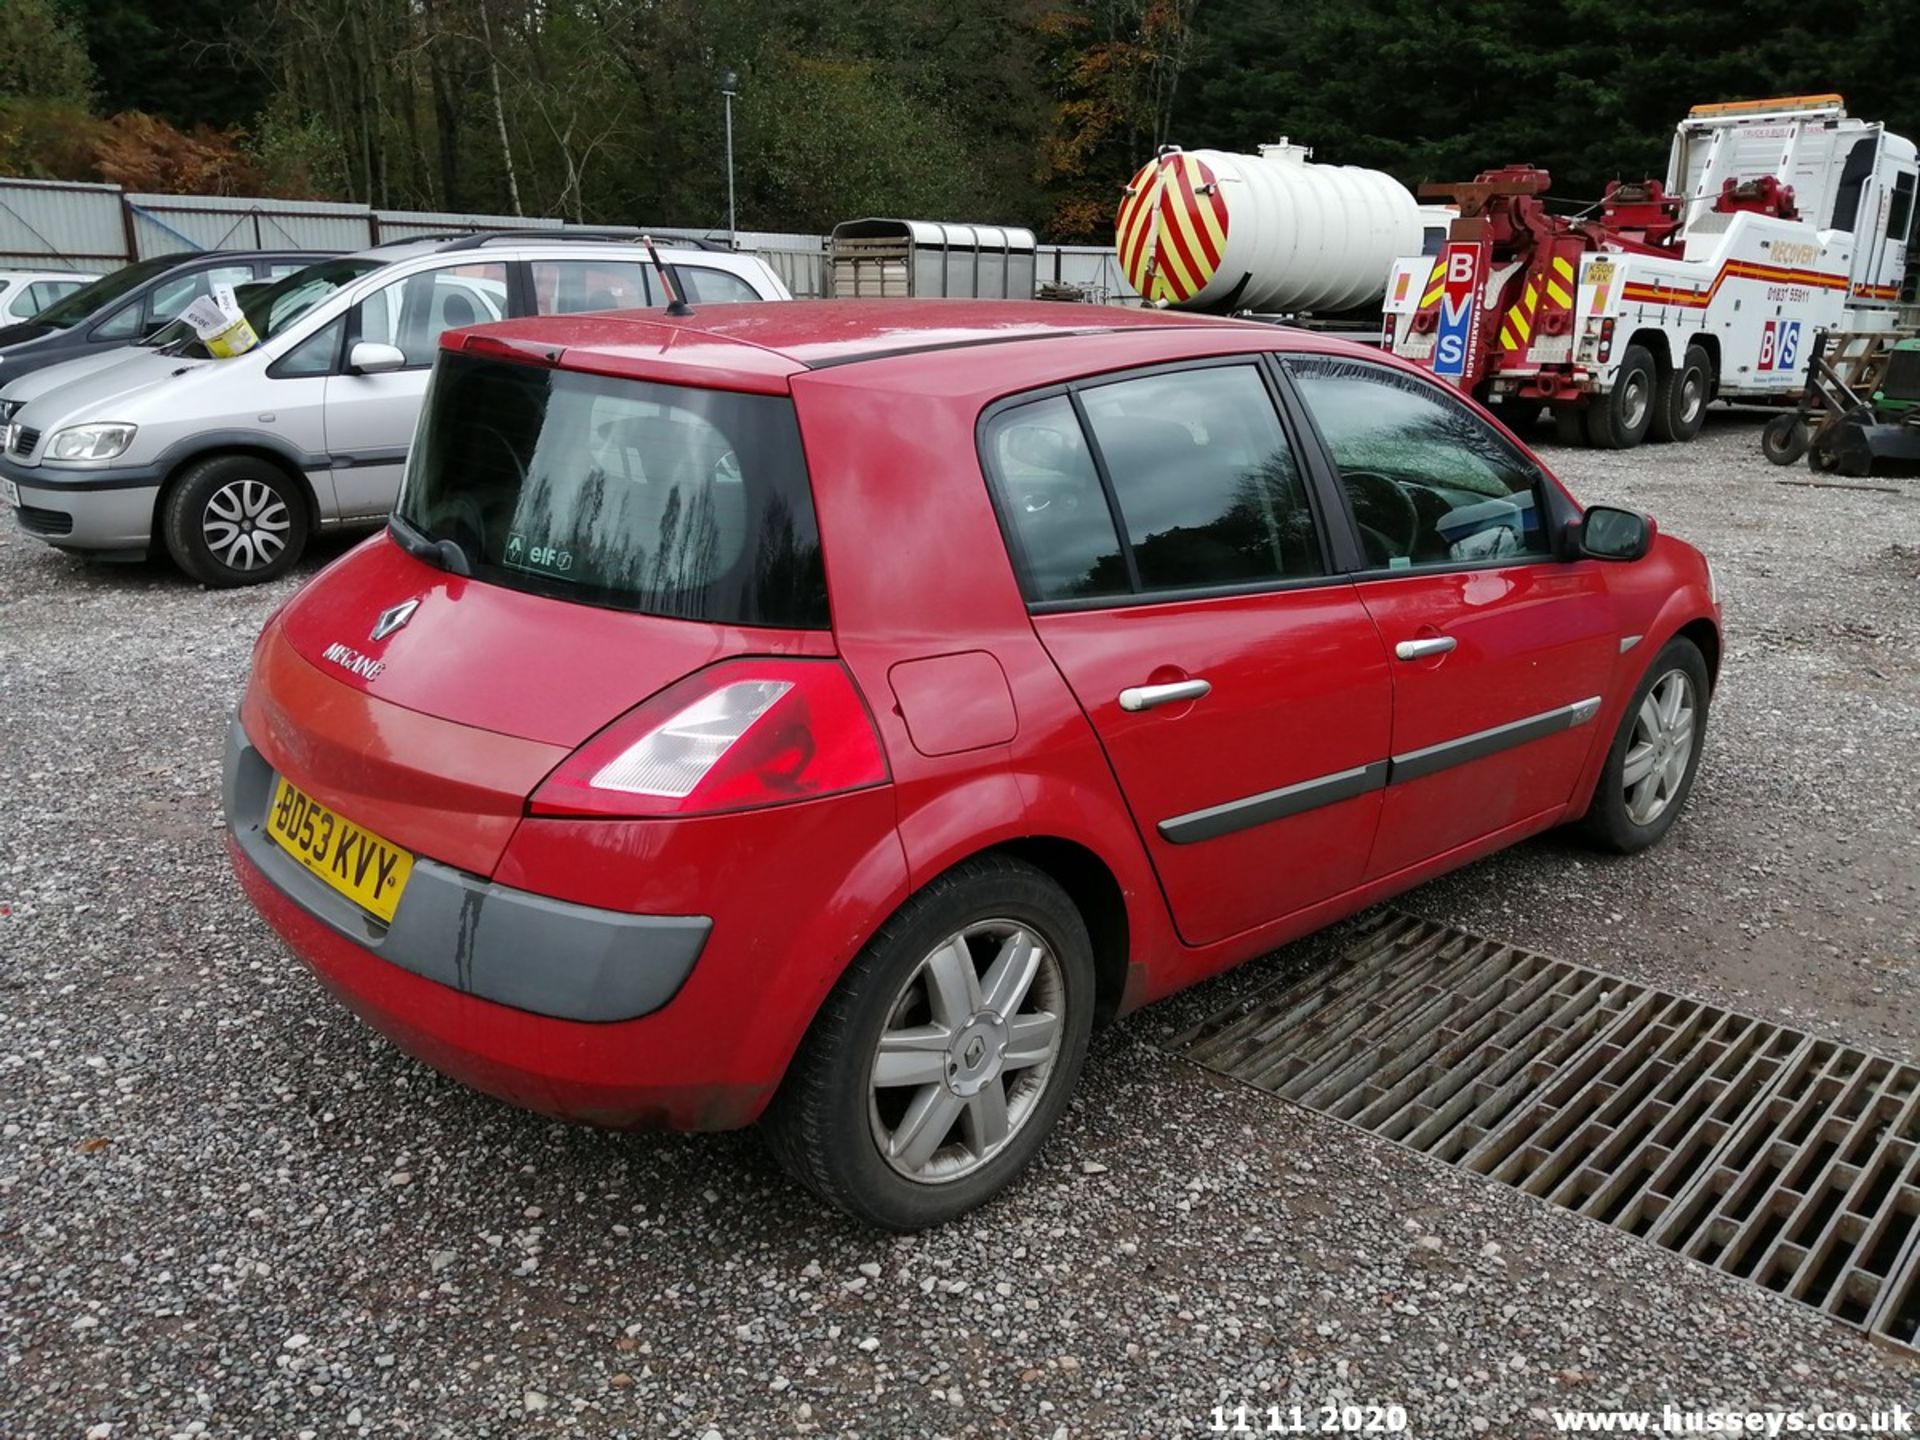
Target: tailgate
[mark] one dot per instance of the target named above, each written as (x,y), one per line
(450,791)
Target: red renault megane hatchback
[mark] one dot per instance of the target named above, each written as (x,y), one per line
(825,714)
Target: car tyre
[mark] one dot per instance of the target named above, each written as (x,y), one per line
(1655,753)
(1785,438)
(234,520)
(1620,419)
(1680,398)
(905,1005)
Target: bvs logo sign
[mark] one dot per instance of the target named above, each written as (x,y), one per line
(1459,312)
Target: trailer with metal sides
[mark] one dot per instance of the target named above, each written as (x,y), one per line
(1777,219)
(895,259)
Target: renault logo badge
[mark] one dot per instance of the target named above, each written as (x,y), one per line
(393,619)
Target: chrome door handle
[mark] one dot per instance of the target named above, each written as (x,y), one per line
(1420,649)
(1145,697)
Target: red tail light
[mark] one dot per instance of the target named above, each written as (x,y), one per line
(739,735)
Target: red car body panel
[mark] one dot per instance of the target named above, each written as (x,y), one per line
(1300,690)
(451,791)
(999,726)
(1530,638)
(536,679)
(666,1069)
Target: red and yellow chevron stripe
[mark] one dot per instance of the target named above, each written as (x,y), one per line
(1436,285)
(1171,229)
(1517,328)
(1658,293)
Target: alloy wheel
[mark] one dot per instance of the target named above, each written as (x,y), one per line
(967,1052)
(1660,748)
(245,524)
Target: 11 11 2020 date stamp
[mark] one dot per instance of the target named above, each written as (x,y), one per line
(1309,1420)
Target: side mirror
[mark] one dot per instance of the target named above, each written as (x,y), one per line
(369,357)
(1608,533)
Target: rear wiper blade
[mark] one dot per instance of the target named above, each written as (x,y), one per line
(447,554)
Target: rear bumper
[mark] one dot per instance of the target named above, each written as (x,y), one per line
(536,1001)
(597,1074)
(545,956)
(801,887)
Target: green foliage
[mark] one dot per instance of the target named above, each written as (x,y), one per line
(1029,112)
(297,155)
(43,55)
(172,58)
(48,139)
(1589,90)
(831,139)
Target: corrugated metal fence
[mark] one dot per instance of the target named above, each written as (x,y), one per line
(57,225)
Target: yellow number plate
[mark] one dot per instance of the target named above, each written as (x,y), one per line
(369,871)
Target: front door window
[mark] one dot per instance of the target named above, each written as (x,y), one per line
(1429,482)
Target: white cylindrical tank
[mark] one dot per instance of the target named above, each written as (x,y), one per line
(1214,230)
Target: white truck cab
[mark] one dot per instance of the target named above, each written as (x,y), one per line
(1777,219)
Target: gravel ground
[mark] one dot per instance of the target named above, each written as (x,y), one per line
(226,1208)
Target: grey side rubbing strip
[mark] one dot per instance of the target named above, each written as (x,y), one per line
(1223,819)
(1627,642)
(348,459)
(1433,758)
(1251,810)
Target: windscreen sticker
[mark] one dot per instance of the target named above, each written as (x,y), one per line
(541,559)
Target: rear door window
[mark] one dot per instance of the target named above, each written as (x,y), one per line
(708,286)
(1180,480)
(1055,510)
(570,287)
(1204,478)
(665,499)
(43,293)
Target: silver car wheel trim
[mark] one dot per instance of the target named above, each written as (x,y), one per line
(245,524)
(968,1050)
(1660,747)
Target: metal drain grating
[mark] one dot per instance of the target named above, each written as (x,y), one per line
(1786,1160)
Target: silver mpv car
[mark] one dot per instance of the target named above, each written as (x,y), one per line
(233,463)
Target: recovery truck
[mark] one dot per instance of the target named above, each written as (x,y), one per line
(1777,219)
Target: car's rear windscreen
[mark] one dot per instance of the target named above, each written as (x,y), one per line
(664,499)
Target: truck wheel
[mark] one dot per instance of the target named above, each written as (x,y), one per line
(1785,438)
(234,520)
(1570,424)
(1619,420)
(1680,399)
